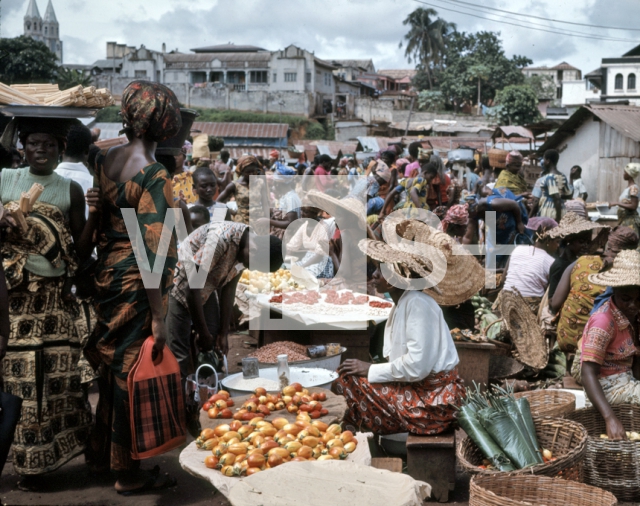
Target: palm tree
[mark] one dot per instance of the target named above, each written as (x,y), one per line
(426,38)
(68,78)
(480,73)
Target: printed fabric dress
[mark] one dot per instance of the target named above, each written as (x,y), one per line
(627,217)
(122,305)
(545,189)
(576,309)
(45,340)
(248,200)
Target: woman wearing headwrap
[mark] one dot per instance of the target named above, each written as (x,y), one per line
(252,200)
(576,297)
(628,201)
(511,177)
(128,313)
(438,194)
(45,337)
(455,221)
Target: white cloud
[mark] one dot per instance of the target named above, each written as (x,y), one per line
(332,28)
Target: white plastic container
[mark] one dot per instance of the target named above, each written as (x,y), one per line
(306,376)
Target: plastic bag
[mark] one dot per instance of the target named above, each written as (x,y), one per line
(504,431)
(469,422)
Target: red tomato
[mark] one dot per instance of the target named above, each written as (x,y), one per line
(315,414)
(322,396)
(324,412)
(226,413)
(230,403)
(305,407)
(206,407)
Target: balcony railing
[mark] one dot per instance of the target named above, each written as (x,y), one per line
(239,87)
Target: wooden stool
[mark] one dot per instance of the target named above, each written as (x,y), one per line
(433,459)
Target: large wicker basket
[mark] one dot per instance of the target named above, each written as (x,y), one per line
(521,489)
(567,441)
(555,403)
(612,465)
(498,158)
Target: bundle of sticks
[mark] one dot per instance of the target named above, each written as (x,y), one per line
(51,95)
(19,210)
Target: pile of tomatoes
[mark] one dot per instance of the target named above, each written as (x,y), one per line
(243,450)
(293,398)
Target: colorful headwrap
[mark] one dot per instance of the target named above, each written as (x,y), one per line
(344,161)
(246,161)
(274,153)
(515,158)
(541,225)
(456,215)
(151,110)
(622,238)
(284,170)
(633,169)
(382,170)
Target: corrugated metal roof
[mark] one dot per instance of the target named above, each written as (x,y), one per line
(414,126)
(247,130)
(237,152)
(335,148)
(375,144)
(471,129)
(398,73)
(363,64)
(625,119)
(512,131)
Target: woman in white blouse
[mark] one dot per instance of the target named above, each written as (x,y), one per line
(415,391)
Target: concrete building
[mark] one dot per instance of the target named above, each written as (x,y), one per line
(618,77)
(576,93)
(46,30)
(351,70)
(560,73)
(602,139)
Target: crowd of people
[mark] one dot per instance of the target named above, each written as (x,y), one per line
(74,308)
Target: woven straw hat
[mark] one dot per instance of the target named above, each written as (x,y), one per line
(525,332)
(625,271)
(572,224)
(405,263)
(335,206)
(464,275)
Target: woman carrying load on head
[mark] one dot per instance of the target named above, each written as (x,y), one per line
(416,391)
(46,336)
(628,202)
(128,312)
(611,343)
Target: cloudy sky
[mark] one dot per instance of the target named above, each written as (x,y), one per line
(337,29)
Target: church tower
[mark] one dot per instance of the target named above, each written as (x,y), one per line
(46,30)
(33,21)
(51,31)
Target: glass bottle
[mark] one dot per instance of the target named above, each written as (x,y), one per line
(284,375)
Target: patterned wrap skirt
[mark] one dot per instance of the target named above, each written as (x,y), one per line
(41,366)
(425,407)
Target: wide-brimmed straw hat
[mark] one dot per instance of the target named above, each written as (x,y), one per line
(525,332)
(572,224)
(404,262)
(463,277)
(351,204)
(625,271)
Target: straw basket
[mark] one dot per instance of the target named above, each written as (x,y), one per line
(553,403)
(498,158)
(521,490)
(567,441)
(612,465)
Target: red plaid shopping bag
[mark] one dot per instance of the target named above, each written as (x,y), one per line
(158,422)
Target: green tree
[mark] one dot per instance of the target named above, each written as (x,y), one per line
(68,78)
(466,51)
(25,60)
(478,73)
(544,86)
(425,40)
(430,100)
(517,105)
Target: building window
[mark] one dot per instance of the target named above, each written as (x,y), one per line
(308,77)
(140,73)
(46,30)
(327,79)
(275,77)
(631,82)
(290,77)
(258,76)
(619,81)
